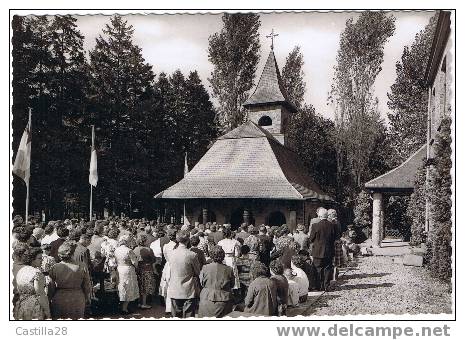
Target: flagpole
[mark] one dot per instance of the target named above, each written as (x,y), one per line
(186,170)
(27,183)
(90,205)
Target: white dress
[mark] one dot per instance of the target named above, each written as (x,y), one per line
(128,288)
(231,249)
(166,275)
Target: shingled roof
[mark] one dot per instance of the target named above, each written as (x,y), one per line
(402,178)
(269,89)
(247,162)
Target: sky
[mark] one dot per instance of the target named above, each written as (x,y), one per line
(180,41)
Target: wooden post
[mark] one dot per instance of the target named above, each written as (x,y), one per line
(204,216)
(246,216)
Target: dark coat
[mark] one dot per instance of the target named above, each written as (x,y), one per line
(323,235)
(54,248)
(261,297)
(217,236)
(217,281)
(200,256)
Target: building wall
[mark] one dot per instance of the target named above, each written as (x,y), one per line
(279,116)
(441,91)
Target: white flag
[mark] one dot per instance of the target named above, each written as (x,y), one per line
(186,168)
(22,164)
(93,176)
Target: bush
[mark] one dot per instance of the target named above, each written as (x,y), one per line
(363,212)
(439,194)
(416,208)
(396,217)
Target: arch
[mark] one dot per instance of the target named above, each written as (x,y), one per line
(265,121)
(276,218)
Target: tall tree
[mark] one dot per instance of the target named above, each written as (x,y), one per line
(310,136)
(408,97)
(50,77)
(293,77)
(120,80)
(234,53)
(359,59)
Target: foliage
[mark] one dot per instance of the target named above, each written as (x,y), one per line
(363,211)
(143,124)
(293,77)
(234,53)
(310,135)
(359,60)
(439,194)
(396,216)
(417,206)
(120,81)
(408,97)
(49,77)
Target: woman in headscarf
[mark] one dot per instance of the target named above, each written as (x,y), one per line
(71,285)
(217,281)
(231,248)
(145,274)
(126,261)
(32,301)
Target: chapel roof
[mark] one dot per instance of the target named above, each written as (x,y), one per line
(247,162)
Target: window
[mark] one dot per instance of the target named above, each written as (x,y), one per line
(265,121)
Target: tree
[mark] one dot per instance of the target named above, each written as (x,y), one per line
(49,77)
(408,97)
(359,60)
(293,77)
(121,80)
(234,53)
(310,136)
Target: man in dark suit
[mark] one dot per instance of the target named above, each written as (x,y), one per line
(323,235)
(62,233)
(217,233)
(184,281)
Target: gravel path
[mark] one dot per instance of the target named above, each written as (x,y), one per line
(378,285)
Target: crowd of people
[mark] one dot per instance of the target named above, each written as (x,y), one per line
(63,268)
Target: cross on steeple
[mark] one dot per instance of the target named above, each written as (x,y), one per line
(272,35)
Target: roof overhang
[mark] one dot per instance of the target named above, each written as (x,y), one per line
(441,36)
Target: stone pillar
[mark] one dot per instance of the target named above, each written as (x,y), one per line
(377,230)
(246,216)
(204,216)
(292,223)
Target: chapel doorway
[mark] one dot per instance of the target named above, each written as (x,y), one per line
(276,218)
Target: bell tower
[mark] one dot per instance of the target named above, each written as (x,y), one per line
(268,106)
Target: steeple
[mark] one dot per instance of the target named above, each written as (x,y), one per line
(268,106)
